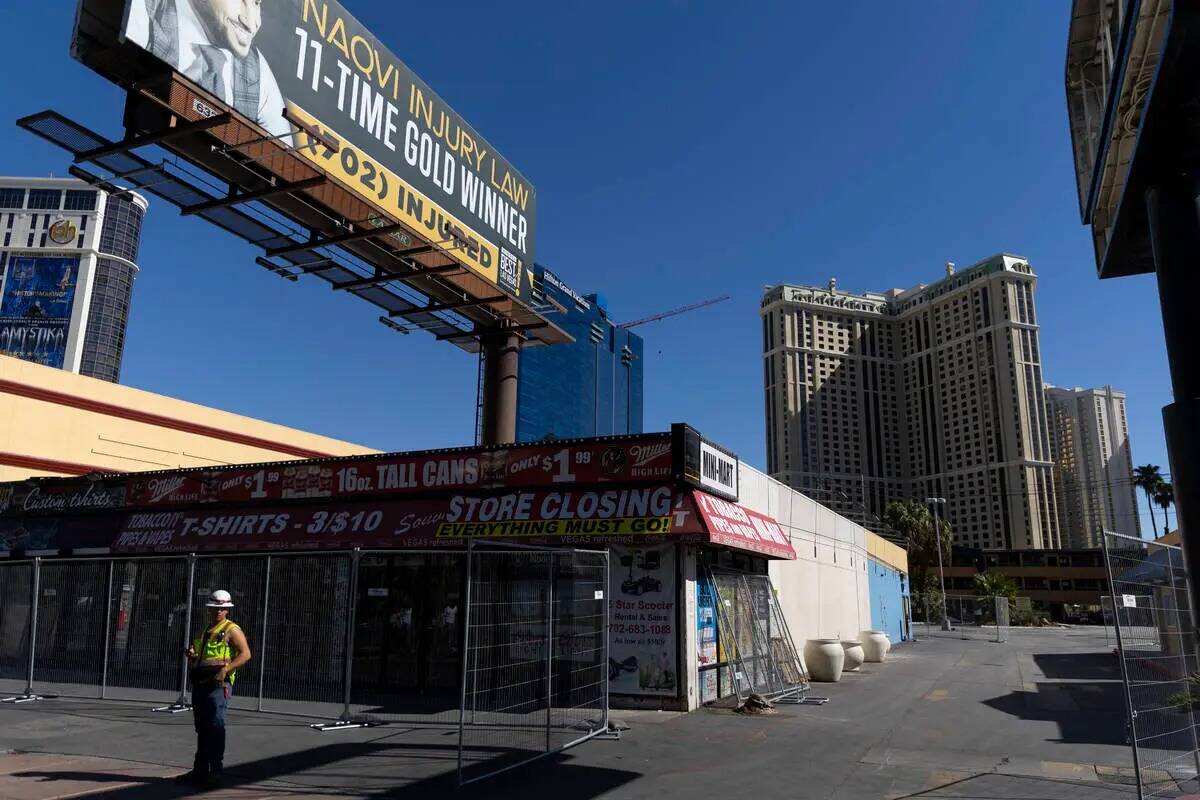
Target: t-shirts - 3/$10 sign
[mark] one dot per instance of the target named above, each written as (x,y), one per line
(643,630)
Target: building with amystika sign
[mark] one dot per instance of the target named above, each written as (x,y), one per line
(382,539)
(68,260)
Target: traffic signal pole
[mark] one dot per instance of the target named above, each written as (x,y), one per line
(1173,209)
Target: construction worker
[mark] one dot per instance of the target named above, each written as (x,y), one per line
(214,659)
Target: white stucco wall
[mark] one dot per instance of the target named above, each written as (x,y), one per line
(824,592)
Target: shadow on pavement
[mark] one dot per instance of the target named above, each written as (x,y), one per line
(284,773)
(1078,666)
(1086,713)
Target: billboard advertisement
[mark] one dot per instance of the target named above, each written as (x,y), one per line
(645,459)
(401,147)
(571,517)
(35,310)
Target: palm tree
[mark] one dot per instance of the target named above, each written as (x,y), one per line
(1147,477)
(912,520)
(1164,496)
(993,583)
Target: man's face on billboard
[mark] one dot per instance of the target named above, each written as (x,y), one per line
(232,24)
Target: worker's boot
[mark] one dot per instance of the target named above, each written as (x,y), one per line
(190,778)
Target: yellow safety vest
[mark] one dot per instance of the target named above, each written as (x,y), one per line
(213,648)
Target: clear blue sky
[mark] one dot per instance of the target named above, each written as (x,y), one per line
(680,150)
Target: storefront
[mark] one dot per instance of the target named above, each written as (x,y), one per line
(663,505)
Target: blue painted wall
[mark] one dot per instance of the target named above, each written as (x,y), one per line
(888,588)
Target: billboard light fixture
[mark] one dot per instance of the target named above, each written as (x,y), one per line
(299,247)
(371,280)
(396,326)
(477,334)
(246,197)
(278,270)
(233,148)
(171,132)
(98,182)
(330,142)
(452,306)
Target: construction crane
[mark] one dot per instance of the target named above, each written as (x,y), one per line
(674,312)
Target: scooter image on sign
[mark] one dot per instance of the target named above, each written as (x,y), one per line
(649,561)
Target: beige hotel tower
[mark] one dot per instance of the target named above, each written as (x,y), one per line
(930,391)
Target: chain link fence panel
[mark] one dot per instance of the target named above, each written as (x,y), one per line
(579,697)
(1156,644)
(408,638)
(963,617)
(535,674)
(69,646)
(756,637)
(303,645)
(16,607)
(147,629)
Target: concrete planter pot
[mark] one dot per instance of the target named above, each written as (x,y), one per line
(875,646)
(825,658)
(854,655)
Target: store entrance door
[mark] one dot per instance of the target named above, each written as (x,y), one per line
(408,633)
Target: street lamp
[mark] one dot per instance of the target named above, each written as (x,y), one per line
(937,538)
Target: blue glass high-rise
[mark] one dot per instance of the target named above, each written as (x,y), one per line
(592,387)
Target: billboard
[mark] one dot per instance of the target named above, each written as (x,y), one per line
(401,147)
(642,459)
(35,310)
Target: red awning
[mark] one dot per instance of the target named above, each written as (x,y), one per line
(734,525)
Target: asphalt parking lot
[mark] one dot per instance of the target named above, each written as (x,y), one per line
(1039,716)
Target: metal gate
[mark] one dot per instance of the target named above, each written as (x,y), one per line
(1156,645)
(535,676)
(756,638)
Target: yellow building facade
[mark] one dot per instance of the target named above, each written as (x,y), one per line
(54,422)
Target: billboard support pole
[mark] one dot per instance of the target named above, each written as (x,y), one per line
(501,357)
(1175,237)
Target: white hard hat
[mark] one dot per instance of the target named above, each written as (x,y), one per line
(220,599)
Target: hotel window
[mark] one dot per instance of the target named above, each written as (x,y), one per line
(45,198)
(80,200)
(12,198)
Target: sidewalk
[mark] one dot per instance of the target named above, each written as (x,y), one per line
(1039,716)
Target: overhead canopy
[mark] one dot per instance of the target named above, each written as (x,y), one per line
(733,525)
